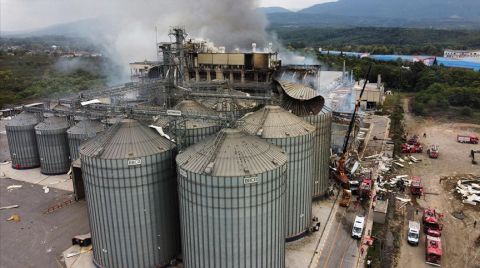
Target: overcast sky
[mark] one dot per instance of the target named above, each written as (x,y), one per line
(18,15)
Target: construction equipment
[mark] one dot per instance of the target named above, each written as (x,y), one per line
(433,250)
(342,176)
(346,198)
(411,148)
(433,151)
(413,140)
(431,221)
(473,139)
(472,155)
(416,187)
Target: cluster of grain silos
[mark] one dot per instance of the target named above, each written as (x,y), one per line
(296,137)
(129,176)
(22,141)
(232,206)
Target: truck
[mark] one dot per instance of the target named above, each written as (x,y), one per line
(358,224)
(431,221)
(413,232)
(473,139)
(366,188)
(416,187)
(433,151)
(411,149)
(433,250)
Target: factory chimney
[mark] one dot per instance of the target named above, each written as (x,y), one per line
(379,81)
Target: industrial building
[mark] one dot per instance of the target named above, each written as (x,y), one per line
(373,96)
(223,151)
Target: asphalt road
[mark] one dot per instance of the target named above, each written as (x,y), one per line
(38,239)
(341,250)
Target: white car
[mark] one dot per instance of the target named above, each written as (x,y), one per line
(358,226)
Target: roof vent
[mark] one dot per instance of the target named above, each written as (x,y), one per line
(209,168)
(246,170)
(260,132)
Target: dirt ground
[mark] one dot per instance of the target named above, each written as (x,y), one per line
(458,235)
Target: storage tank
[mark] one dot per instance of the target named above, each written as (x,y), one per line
(295,136)
(130,187)
(22,141)
(231,190)
(80,132)
(195,129)
(53,145)
(321,151)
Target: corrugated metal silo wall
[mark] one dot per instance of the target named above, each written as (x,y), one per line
(53,151)
(23,146)
(321,152)
(194,135)
(133,210)
(74,141)
(299,182)
(227,223)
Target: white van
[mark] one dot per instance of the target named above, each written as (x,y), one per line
(358,225)
(413,232)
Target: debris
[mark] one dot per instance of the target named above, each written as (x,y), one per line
(459,215)
(82,240)
(46,189)
(13,187)
(403,199)
(398,164)
(9,207)
(415,160)
(14,217)
(401,160)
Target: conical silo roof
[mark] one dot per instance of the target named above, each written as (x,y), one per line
(189,107)
(86,127)
(129,138)
(274,122)
(53,123)
(232,153)
(23,119)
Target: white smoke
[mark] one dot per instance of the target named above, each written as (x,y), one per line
(125,29)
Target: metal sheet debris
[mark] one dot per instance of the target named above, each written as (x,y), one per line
(9,207)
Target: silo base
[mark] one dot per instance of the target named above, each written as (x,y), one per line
(297,236)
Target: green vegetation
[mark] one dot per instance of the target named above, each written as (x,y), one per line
(379,40)
(28,77)
(434,89)
(394,105)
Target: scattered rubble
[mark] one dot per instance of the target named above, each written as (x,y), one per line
(14,218)
(13,187)
(9,207)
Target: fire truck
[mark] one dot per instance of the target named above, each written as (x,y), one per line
(467,139)
(433,151)
(433,250)
(431,221)
(416,187)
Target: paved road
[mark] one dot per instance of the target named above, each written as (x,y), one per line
(341,250)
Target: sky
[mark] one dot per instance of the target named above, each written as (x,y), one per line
(20,15)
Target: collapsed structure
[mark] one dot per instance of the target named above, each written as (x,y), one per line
(253,141)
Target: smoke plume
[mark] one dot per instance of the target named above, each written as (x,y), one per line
(125,29)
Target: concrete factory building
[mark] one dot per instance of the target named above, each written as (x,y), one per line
(373,96)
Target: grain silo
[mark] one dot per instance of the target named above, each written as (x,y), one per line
(190,130)
(295,136)
(303,101)
(232,197)
(52,144)
(130,186)
(22,141)
(321,151)
(80,132)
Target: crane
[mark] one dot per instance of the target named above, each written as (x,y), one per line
(342,176)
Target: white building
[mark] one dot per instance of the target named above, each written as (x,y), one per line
(373,96)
